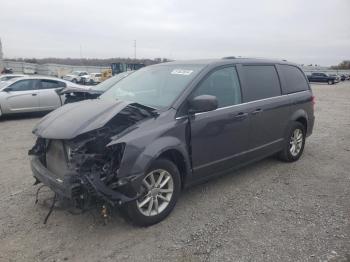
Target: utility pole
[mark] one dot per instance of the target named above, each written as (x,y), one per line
(135,49)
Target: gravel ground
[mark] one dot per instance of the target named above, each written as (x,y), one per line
(269,211)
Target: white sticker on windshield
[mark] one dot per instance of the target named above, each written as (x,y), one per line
(181,72)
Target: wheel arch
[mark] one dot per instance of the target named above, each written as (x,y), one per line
(302,120)
(167,147)
(301,117)
(178,159)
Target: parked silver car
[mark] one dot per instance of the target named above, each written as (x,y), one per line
(31,94)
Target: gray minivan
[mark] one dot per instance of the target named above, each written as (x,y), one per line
(169,126)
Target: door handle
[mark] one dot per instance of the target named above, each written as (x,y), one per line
(257,111)
(241,115)
(34,94)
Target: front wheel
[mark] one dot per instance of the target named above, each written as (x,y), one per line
(294,144)
(160,189)
(330,82)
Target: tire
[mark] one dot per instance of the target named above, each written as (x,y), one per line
(331,82)
(74,80)
(138,212)
(288,154)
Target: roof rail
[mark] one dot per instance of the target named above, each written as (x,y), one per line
(229,57)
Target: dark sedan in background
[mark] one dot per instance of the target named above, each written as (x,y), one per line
(322,78)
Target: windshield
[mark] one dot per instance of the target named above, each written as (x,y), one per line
(155,86)
(105,85)
(75,73)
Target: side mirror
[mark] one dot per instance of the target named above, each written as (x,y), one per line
(203,103)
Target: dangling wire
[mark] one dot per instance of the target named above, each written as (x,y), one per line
(37,194)
(51,208)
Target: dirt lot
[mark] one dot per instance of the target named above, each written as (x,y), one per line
(269,211)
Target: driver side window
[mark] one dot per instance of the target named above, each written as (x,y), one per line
(223,84)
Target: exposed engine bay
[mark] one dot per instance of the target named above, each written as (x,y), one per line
(87,165)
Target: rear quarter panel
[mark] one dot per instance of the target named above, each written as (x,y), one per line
(302,106)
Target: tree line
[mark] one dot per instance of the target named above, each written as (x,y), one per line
(343,65)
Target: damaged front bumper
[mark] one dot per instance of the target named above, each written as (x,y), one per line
(84,189)
(63,187)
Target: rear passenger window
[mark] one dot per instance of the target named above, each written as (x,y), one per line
(294,79)
(260,81)
(51,84)
(223,84)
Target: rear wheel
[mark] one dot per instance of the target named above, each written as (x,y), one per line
(295,142)
(160,189)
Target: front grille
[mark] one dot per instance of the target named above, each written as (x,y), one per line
(56,158)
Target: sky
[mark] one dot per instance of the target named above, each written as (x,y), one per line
(305,32)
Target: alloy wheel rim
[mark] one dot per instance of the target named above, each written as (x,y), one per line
(296,142)
(158,186)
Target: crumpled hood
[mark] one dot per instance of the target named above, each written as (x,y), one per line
(74,119)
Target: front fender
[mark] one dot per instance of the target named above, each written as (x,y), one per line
(136,160)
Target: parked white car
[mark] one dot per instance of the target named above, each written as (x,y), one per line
(31,94)
(91,79)
(75,76)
